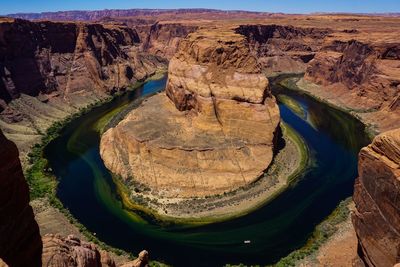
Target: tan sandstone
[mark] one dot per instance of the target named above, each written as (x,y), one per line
(212,134)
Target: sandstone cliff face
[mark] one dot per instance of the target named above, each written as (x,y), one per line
(283,49)
(20,242)
(213,133)
(49,70)
(162,39)
(45,56)
(377,221)
(364,77)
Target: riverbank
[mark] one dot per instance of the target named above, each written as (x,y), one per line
(51,215)
(333,242)
(336,226)
(300,85)
(288,165)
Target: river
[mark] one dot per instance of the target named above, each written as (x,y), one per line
(87,190)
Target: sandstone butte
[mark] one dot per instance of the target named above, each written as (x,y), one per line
(354,60)
(212,131)
(377,221)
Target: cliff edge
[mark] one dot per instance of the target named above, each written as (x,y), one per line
(212,131)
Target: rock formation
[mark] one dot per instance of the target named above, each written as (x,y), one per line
(377,220)
(20,242)
(162,39)
(284,48)
(49,70)
(213,130)
(71,251)
(361,76)
(141,261)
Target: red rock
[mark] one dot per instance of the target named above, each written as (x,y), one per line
(20,242)
(70,251)
(377,218)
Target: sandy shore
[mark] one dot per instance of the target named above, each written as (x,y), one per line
(287,165)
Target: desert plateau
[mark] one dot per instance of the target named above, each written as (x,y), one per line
(215,136)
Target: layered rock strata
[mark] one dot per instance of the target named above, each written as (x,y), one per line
(20,242)
(284,48)
(49,70)
(363,77)
(162,39)
(213,130)
(377,220)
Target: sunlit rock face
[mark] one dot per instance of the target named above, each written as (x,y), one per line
(212,131)
(377,220)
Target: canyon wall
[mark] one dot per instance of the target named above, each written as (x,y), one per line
(377,220)
(363,77)
(20,242)
(212,131)
(49,70)
(284,48)
(162,39)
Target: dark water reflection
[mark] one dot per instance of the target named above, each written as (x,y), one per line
(87,190)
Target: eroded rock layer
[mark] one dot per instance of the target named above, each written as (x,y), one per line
(283,48)
(377,220)
(20,242)
(49,70)
(213,130)
(71,251)
(360,76)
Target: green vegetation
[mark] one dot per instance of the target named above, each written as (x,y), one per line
(321,234)
(43,184)
(302,148)
(140,204)
(290,82)
(40,179)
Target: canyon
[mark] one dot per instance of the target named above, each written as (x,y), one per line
(50,70)
(217,120)
(211,132)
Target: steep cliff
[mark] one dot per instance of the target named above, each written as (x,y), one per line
(20,242)
(377,220)
(213,130)
(162,39)
(49,70)
(284,48)
(360,76)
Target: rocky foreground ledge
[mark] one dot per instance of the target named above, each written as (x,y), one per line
(377,221)
(214,129)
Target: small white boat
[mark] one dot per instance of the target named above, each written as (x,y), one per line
(247,241)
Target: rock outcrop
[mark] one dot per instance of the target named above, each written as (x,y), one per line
(141,261)
(284,49)
(212,132)
(377,220)
(360,76)
(71,251)
(20,242)
(162,39)
(49,70)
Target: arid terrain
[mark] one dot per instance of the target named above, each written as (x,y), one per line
(217,118)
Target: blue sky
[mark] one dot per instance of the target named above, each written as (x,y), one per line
(287,6)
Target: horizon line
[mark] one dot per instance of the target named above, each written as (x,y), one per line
(205,9)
